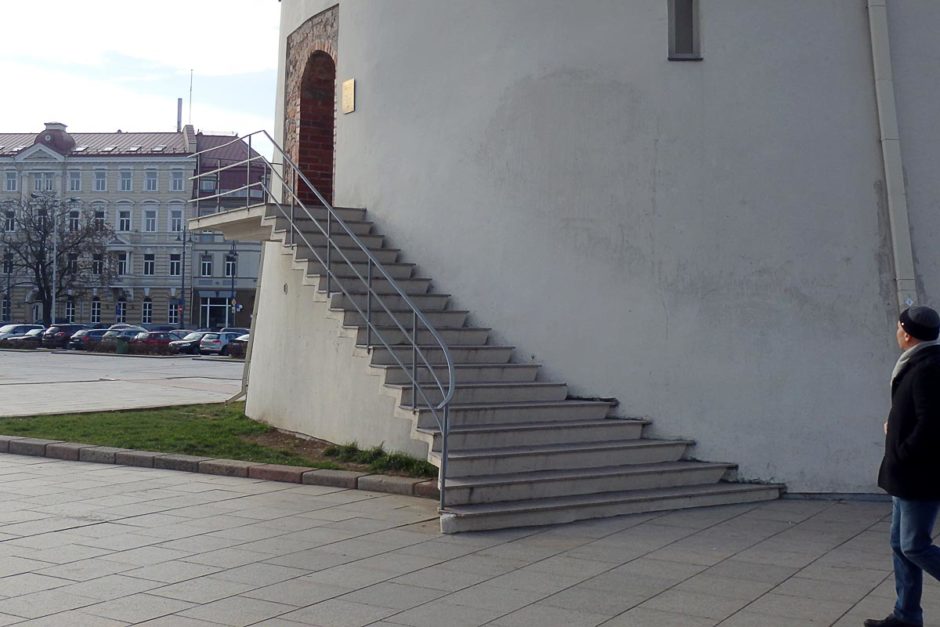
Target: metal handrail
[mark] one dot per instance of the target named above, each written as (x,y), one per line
(289,183)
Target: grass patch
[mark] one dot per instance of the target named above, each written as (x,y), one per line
(215,430)
(380,461)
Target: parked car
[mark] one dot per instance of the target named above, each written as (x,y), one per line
(12,330)
(216,343)
(239,330)
(159,327)
(128,332)
(30,339)
(57,336)
(189,343)
(85,339)
(153,338)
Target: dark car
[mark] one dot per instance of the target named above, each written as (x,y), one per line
(189,344)
(216,343)
(85,339)
(30,339)
(57,336)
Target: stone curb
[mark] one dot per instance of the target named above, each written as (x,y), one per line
(349,479)
(59,351)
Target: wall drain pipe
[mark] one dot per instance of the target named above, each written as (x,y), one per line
(905,283)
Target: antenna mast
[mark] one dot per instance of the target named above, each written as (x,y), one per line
(190,96)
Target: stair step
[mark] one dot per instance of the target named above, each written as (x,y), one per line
(344,255)
(466,373)
(516,413)
(485,354)
(567,481)
(512,392)
(318,240)
(354,285)
(342,269)
(446,319)
(535,433)
(318,212)
(466,336)
(465,463)
(486,516)
(390,302)
(279,225)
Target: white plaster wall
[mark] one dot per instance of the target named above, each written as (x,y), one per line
(307,376)
(705,241)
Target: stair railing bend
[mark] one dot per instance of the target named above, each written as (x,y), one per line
(290,205)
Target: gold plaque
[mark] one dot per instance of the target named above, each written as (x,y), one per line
(349,95)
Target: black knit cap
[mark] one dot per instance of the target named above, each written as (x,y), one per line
(920,322)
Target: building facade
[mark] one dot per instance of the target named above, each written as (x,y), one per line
(711,211)
(141,185)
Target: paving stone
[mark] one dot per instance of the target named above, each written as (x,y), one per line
(187,463)
(68,451)
(278,472)
(388,483)
(136,458)
(225,467)
(30,446)
(99,454)
(137,608)
(335,478)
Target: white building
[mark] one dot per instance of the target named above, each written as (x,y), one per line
(711,211)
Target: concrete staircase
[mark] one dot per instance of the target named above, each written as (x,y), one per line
(521,451)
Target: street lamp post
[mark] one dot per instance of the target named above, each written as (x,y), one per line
(7,300)
(233,259)
(183,238)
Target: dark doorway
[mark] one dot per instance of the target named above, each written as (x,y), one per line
(317,126)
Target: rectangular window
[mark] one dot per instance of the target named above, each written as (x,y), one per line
(149,264)
(124,220)
(127,183)
(70,311)
(75,181)
(177,184)
(96,310)
(101,181)
(48,182)
(97,264)
(6,308)
(205,267)
(99,220)
(150,220)
(122,263)
(684,41)
(11,182)
(146,312)
(71,266)
(176,220)
(175,265)
(37,182)
(173,313)
(75,220)
(151,181)
(207,184)
(230,262)
(7,265)
(9,221)
(120,311)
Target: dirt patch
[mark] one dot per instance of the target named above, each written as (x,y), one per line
(309,448)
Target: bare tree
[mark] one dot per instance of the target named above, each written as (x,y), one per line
(56,246)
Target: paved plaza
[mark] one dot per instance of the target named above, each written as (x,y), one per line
(93,544)
(85,544)
(45,382)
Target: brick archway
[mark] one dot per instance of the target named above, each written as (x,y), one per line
(317,125)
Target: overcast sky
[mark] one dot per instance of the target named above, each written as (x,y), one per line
(104,65)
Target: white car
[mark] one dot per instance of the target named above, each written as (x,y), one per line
(13,330)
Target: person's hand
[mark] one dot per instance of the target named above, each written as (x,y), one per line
(886,427)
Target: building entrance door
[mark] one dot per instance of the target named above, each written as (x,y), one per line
(212,312)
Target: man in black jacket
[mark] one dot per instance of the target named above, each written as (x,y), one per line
(910,471)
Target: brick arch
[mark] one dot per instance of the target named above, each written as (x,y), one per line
(309,98)
(317,124)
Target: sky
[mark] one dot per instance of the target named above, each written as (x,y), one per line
(104,65)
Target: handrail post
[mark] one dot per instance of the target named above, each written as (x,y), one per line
(369,305)
(248,176)
(414,359)
(329,240)
(445,429)
(292,183)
